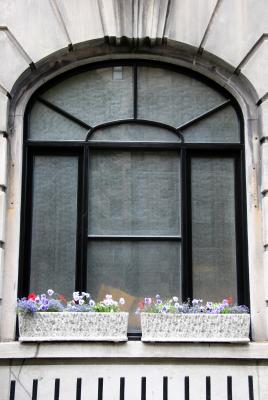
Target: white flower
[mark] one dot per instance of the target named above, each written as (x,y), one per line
(50,292)
(76,296)
(175,299)
(108,296)
(81,302)
(121,300)
(91,303)
(177,305)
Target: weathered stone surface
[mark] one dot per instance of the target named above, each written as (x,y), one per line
(34,25)
(83,22)
(195,327)
(2,215)
(265,269)
(2,253)
(3,160)
(12,63)
(265,220)
(238,25)
(189,19)
(73,326)
(3,111)
(256,69)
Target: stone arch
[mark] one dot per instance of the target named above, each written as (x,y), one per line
(105,49)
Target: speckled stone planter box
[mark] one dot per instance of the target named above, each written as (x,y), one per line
(75,326)
(195,327)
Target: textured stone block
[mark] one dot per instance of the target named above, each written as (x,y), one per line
(2,215)
(1,270)
(236,28)
(265,220)
(265,268)
(264,118)
(256,69)
(3,112)
(75,326)
(28,21)
(3,160)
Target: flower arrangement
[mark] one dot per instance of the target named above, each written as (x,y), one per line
(172,306)
(50,317)
(54,302)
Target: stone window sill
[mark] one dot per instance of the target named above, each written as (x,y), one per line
(134,350)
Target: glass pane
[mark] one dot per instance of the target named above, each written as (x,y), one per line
(171,97)
(46,124)
(95,96)
(213,229)
(134,193)
(135,133)
(134,270)
(221,127)
(53,253)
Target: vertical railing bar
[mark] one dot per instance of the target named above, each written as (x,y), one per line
(165,388)
(208,388)
(250,388)
(186,388)
(122,389)
(12,390)
(78,388)
(229,388)
(57,389)
(143,388)
(135,92)
(100,388)
(35,387)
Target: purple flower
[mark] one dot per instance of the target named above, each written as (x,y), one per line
(148,300)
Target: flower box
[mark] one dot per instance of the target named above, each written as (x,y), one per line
(160,327)
(73,326)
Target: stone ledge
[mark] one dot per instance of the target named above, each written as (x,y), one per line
(134,350)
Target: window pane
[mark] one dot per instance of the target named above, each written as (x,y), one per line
(134,270)
(134,193)
(49,125)
(213,228)
(53,253)
(172,97)
(135,133)
(95,96)
(221,127)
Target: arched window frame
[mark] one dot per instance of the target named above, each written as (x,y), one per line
(80,147)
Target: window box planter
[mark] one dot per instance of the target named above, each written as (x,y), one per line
(73,326)
(158,327)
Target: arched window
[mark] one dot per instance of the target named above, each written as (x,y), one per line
(134,185)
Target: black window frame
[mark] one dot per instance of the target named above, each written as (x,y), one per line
(82,150)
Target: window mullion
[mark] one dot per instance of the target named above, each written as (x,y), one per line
(186,225)
(82,213)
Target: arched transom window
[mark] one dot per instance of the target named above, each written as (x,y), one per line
(133,185)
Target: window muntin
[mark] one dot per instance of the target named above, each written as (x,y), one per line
(210,124)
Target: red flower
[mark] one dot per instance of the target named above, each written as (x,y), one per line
(141,304)
(32,296)
(230,300)
(62,298)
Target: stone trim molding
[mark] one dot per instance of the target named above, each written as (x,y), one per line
(135,19)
